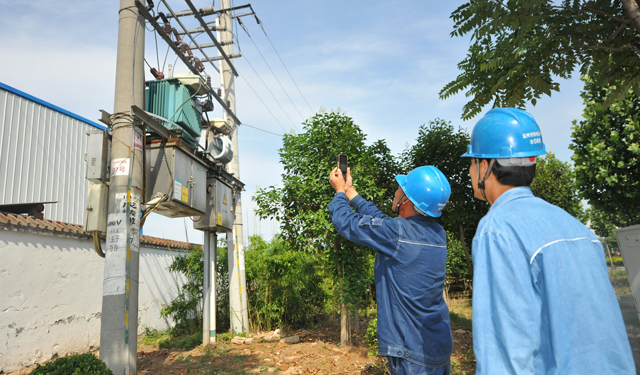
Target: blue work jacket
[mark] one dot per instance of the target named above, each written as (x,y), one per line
(410,268)
(542,299)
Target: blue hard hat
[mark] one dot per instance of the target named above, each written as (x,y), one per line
(427,188)
(506,133)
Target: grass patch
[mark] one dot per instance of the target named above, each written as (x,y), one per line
(457,320)
(226,337)
(153,337)
(460,311)
(619,282)
(182,342)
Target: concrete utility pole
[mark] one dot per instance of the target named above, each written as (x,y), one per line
(119,323)
(237,281)
(210,291)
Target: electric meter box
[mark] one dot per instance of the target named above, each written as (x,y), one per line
(180,176)
(97,156)
(95,216)
(219,209)
(629,244)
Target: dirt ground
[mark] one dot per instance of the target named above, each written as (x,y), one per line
(318,352)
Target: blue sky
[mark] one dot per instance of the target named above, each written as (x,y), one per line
(383,63)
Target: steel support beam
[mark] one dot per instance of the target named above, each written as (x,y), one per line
(184,59)
(233,56)
(213,38)
(209,45)
(201,30)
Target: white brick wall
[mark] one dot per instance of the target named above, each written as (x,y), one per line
(51,296)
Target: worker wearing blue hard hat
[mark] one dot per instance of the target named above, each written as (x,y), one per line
(542,299)
(414,331)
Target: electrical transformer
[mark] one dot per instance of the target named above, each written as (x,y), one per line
(179,175)
(175,102)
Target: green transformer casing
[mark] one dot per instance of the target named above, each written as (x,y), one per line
(170,99)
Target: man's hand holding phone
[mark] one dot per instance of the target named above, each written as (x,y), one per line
(340,178)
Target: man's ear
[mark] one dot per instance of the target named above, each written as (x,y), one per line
(484,165)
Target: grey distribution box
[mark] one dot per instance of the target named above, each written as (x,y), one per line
(97,157)
(178,174)
(219,209)
(629,242)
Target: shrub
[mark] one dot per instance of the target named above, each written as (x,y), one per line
(372,337)
(617,260)
(79,364)
(457,269)
(283,285)
(186,308)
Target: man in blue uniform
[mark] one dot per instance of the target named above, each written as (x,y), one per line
(542,299)
(414,331)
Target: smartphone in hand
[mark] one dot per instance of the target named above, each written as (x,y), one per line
(342,164)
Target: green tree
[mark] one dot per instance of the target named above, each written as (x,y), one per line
(301,203)
(520,47)
(606,146)
(439,144)
(457,268)
(555,183)
(602,225)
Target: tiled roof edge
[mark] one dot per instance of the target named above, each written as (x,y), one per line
(29,224)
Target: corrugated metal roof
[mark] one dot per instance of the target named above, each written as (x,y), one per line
(50,106)
(58,228)
(42,151)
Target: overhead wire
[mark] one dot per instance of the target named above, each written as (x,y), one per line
(265,105)
(285,66)
(235,36)
(263,130)
(267,87)
(164,63)
(155,36)
(272,72)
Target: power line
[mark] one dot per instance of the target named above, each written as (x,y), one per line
(285,67)
(263,103)
(272,72)
(270,92)
(266,131)
(236,36)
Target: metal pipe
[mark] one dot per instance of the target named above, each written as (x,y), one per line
(96,243)
(206,293)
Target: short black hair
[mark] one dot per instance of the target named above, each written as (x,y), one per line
(513,176)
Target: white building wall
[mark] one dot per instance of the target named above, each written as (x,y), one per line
(51,295)
(42,151)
